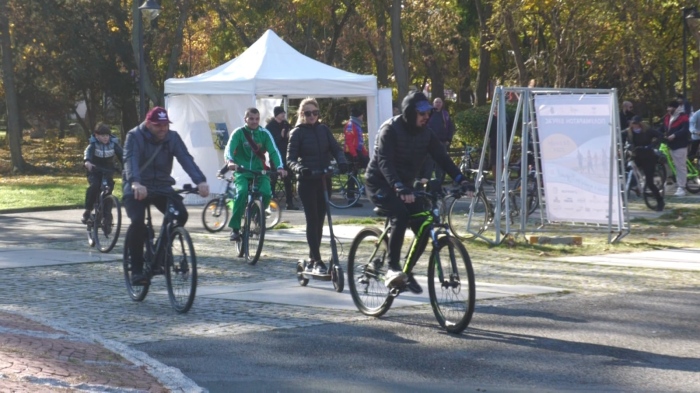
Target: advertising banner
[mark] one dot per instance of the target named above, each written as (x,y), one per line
(579,160)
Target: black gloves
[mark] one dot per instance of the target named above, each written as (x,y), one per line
(401,189)
(343,167)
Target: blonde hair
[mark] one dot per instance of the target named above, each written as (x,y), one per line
(301,119)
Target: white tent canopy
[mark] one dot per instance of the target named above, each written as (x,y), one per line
(214,102)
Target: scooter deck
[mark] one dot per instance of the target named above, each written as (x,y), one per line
(321,277)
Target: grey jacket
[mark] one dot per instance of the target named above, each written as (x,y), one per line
(138,149)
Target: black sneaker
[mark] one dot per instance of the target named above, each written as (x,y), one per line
(140,279)
(235,235)
(413,285)
(309,267)
(320,268)
(86,217)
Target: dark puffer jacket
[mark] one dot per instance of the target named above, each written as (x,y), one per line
(401,147)
(313,147)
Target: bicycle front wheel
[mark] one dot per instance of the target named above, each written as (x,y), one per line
(458,216)
(692,183)
(368,260)
(660,183)
(136,292)
(451,285)
(108,223)
(345,190)
(254,232)
(181,270)
(273,214)
(215,215)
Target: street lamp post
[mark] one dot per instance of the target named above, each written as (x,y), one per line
(151,10)
(690,21)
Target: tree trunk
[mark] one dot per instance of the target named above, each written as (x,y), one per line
(437,77)
(515,45)
(397,53)
(482,77)
(337,30)
(14,131)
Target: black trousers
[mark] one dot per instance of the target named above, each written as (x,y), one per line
(136,210)
(400,220)
(93,190)
(646,162)
(312,198)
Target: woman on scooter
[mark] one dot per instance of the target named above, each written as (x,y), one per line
(311,148)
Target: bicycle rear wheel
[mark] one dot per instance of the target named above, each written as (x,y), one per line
(345,190)
(254,232)
(368,260)
(136,292)
(215,215)
(273,214)
(458,216)
(660,183)
(108,223)
(451,285)
(181,270)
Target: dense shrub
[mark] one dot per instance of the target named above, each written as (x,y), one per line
(470,124)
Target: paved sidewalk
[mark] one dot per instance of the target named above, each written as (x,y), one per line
(41,354)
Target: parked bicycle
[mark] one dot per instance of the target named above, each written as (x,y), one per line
(105,221)
(451,285)
(345,189)
(483,207)
(171,254)
(216,213)
(693,177)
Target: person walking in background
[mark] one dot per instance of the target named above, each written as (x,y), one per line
(148,162)
(643,140)
(311,147)
(694,127)
(100,153)
(355,150)
(677,134)
(441,124)
(626,115)
(247,147)
(280,128)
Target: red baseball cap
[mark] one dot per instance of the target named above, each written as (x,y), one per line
(158,114)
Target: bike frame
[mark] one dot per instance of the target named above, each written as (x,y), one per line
(692,171)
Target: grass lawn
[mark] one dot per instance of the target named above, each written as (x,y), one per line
(21,192)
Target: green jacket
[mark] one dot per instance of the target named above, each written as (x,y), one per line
(238,149)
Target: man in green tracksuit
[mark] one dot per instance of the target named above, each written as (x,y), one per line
(246,148)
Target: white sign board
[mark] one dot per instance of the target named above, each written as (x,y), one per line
(578,157)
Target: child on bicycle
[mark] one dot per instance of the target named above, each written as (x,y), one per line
(100,153)
(643,140)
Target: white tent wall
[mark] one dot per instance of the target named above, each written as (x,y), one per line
(193,117)
(268,70)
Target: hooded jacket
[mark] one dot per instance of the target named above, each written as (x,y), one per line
(139,148)
(101,154)
(677,124)
(401,147)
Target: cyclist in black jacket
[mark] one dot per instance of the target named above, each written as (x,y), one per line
(400,149)
(643,140)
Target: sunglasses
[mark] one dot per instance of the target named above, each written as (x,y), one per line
(311,113)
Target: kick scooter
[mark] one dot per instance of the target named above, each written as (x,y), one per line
(335,271)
